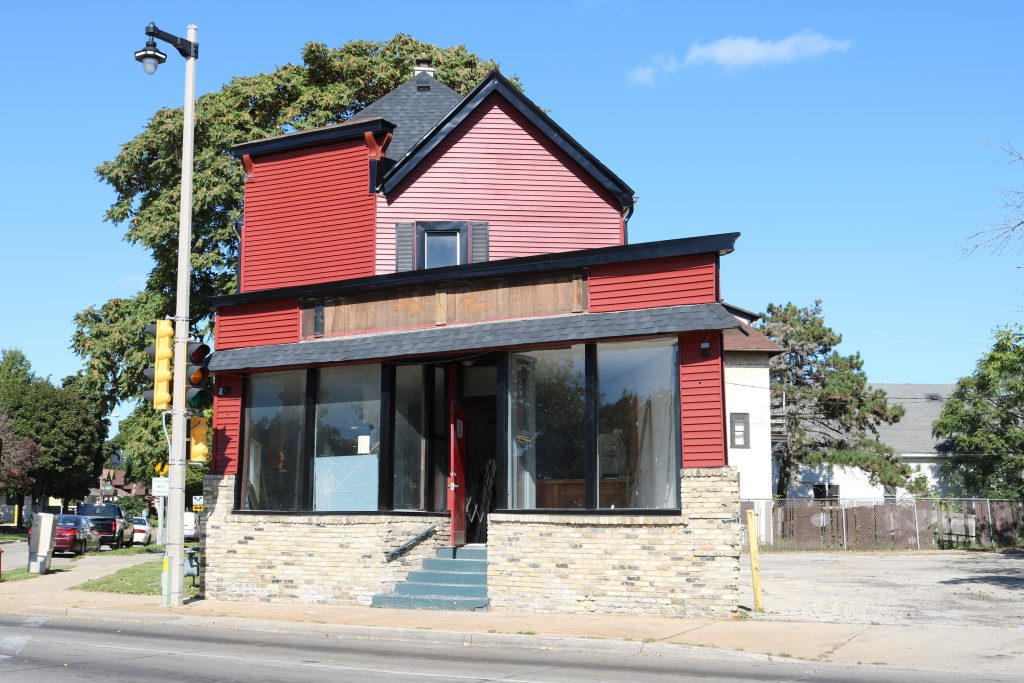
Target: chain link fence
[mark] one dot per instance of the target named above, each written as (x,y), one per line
(888,524)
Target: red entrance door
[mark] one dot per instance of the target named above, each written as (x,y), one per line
(457,472)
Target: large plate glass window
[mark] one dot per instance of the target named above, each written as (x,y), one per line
(548,415)
(347,439)
(411,438)
(275,431)
(637,420)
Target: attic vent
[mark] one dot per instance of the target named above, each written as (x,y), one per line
(933,397)
(422,87)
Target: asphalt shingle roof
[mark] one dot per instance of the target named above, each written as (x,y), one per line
(923,403)
(480,336)
(413,110)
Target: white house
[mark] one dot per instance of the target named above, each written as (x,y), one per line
(911,438)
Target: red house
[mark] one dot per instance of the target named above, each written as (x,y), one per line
(444,351)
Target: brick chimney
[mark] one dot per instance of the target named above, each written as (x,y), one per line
(423,66)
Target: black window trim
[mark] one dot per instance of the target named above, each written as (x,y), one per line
(423,227)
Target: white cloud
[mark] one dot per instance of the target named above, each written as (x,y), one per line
(642,75)
(739,51)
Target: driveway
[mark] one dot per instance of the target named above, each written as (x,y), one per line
(927,588)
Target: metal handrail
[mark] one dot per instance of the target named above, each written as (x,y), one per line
(390,555)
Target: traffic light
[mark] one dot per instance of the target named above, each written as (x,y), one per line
(197,393)
(198,429)
(161,352)
(161,468)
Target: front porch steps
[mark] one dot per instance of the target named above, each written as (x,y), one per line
(456,579)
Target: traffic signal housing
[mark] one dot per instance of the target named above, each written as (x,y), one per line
(198,431)
(197,374)
(160,352)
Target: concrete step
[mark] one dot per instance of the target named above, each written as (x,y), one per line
(466,552)
(421,576)
(439,564)
(429,602)
(457,590)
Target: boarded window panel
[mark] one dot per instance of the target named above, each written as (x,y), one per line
(405,240)
(479,242)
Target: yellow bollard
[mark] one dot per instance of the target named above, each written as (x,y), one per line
(755,559)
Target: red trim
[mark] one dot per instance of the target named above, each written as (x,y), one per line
(376,147)
(248,165)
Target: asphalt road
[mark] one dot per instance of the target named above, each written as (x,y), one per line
(56,649)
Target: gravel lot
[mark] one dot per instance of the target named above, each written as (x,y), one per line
(936,588)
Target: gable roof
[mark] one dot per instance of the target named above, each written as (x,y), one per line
(494,82)
(923,403)
(414,107)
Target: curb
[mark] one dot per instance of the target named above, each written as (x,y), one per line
(592,645)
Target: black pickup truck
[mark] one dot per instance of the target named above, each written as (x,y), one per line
(114,526)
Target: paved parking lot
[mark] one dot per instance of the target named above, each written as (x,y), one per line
(935,588)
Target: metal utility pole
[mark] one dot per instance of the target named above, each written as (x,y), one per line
(150,58)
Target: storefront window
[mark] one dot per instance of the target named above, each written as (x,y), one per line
(410,438)
(347,441)
(637,424)
(275,432)
(548,414)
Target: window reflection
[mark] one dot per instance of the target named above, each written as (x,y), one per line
(637,424)
(548,411)
(275,432)
(345,470)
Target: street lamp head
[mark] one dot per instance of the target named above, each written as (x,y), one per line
(150,57)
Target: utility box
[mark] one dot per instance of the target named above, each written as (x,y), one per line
(41,540)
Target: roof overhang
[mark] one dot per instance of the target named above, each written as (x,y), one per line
(721,244)
(479,337)
(494,82)
(317,136)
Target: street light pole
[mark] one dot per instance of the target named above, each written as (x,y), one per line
(175,545)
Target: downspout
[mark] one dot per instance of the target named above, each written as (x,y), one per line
(627,213)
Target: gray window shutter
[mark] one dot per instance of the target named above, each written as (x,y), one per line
(479,242)
(405,241)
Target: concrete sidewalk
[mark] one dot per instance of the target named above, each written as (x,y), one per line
(977,650)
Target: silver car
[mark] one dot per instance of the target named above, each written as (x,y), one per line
(143,530)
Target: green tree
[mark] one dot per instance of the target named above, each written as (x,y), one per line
(65,422)
(831,415)
(982,423)
(18,457)
(329,87)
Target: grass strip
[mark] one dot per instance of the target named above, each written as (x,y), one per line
(142,579)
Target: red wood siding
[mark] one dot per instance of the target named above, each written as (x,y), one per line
(701,400)
(497,167)
(259,324)
(309,217)
(227,423)
(648,284)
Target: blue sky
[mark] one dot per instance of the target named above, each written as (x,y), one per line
(847,143)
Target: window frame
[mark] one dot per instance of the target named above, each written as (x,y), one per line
(739,418)
(460,228)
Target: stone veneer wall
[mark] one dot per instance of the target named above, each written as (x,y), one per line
(684,565)
(305,558)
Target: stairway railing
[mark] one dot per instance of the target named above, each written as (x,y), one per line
(390,555)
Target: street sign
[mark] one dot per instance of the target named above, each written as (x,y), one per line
(161,486)
(197,508)
(197,503)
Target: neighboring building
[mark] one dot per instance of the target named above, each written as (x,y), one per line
(748,404)
(912,440)
(112,486)
(442,336)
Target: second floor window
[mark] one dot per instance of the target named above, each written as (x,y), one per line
(441,243)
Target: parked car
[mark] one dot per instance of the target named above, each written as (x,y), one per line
(191,526)
(114,525)
(75,534)
(143,530)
